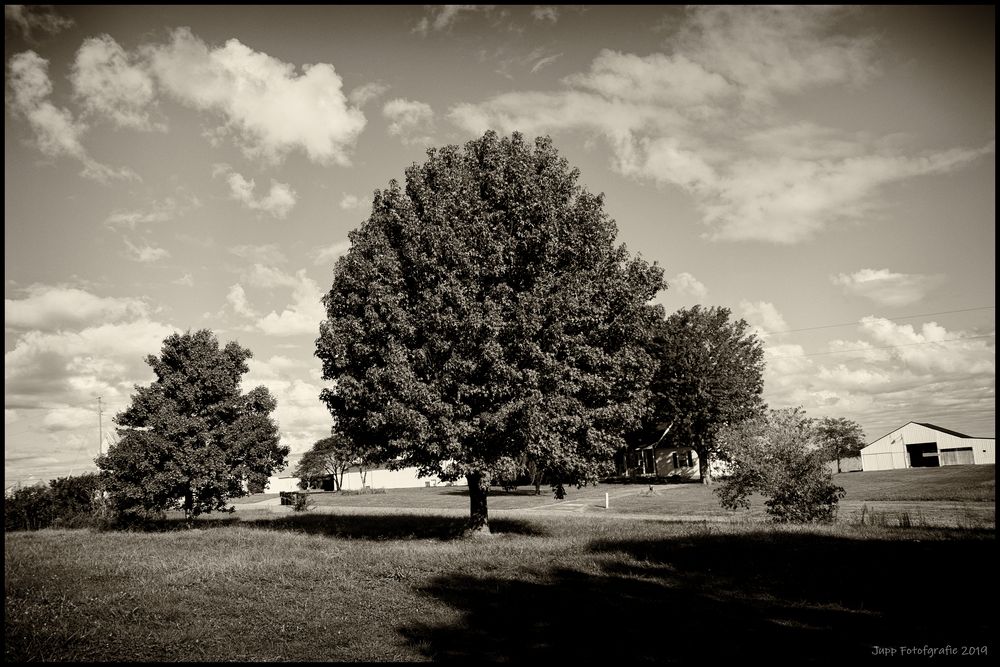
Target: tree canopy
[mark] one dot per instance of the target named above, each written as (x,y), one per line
(329,458)
(484,314)
(191,440)
(840,438)
(710,374)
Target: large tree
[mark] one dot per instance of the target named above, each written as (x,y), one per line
(330,458)
(710,374)
(840,438)
(484,314)
(191,440)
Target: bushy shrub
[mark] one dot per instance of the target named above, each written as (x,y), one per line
(776,457)
(28,508)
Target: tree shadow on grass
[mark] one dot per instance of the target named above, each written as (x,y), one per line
(387,527)
(786,597)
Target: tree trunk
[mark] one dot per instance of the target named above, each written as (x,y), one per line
(188,507)
(704,467)
(838,464)
(478,517)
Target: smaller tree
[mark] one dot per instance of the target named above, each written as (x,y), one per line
(839,438)
(330,458)
(777,456)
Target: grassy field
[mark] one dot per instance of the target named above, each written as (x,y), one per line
(343,588)
(949,496)
(558,580)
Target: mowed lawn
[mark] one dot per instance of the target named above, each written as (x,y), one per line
(389,578)
(545,589)
(950,496)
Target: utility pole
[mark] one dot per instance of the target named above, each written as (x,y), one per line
(100,428)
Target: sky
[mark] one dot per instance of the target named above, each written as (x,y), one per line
(827,174)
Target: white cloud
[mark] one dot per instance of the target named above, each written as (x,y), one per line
(237,298)
(36,18)
(443,17)
(50,308)
(764,317)
(331,252)
(70,367)
(688,285)
(544,62)
(411,121)
(187,280)
(11,416)
(57,133)
(159,211)
(145,253)
(67,419)
(107,83)
(545,13)
(302,316)
(885,287)
(367,92)
(278,202)
(701,118)
(261,275)
(893,374)
(269,107)
(350,202)
(262,254)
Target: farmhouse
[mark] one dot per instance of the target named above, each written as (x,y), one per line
(375,478)
(918,445)
(653,461)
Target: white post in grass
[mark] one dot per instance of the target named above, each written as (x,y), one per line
(605,500)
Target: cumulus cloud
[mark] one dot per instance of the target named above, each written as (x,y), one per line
(763,316)
(145,253)
(269,277)
(351,202)
(51,308)
(701,118)
(889,375)
(57,133)
(33,19)
(70,367)
(278,202)
(367,92)
(268,106)
(885,287)
(328,254)
(237,299)
(688,285)
(409,120)
(109,83)
(300,317)
(187,280)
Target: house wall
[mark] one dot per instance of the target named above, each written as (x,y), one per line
(983,449)
(664,458)
(391,479)
(280,484)
(849,464)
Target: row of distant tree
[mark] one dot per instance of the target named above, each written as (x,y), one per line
(483,323)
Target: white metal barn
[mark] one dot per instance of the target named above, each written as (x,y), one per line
(917,445)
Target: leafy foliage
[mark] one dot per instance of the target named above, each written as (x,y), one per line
(67,502)
(484,314)
(840,438)
(191,440)
(329,459)
(710,374)
(776,456)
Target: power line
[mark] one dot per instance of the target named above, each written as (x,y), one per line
(891,319)
(883,347)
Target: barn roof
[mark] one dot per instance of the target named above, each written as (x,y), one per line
(944,430)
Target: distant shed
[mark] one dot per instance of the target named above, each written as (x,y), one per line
(919,445)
